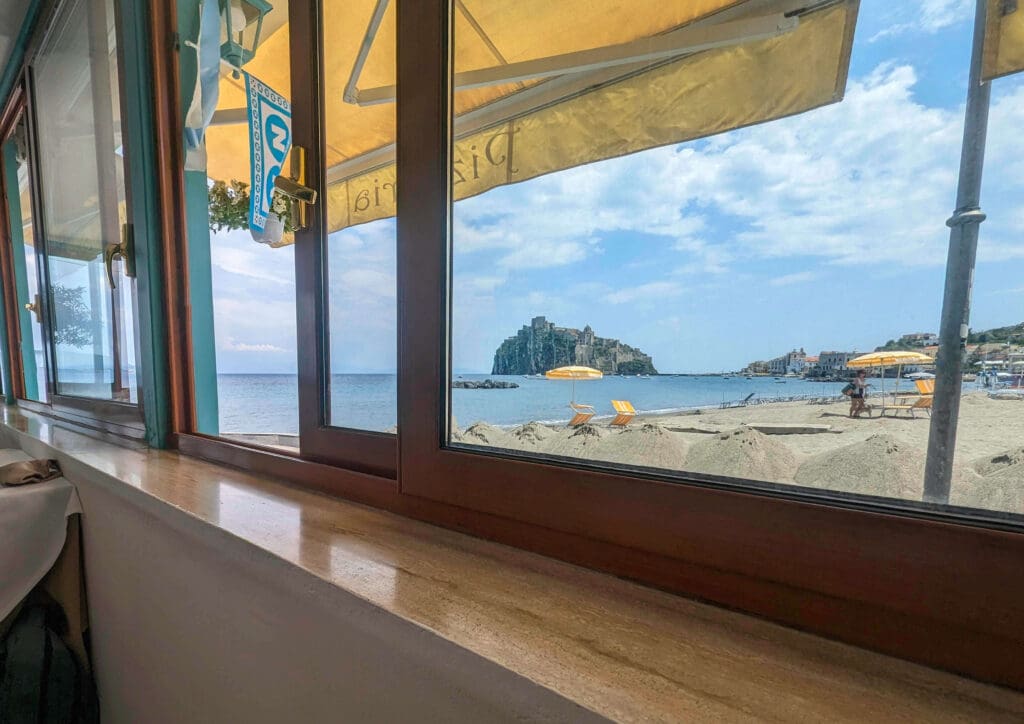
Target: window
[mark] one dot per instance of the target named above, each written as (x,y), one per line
(242,292)
(69,255)
(294,330)
(638,258)
(77,111)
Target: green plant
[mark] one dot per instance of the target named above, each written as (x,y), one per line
(72,317)
(229,207)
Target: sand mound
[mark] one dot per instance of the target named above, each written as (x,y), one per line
(649,445)
(994,482)
(880,465)
(532,435)
(482,433)
(1008,461)
(743,453)
(577,442)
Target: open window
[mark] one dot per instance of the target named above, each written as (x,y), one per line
(71,256)
(293,326)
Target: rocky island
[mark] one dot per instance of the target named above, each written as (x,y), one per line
(541,346)
(485,385)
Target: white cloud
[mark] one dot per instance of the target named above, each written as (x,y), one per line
(928,16)
(939,14)
(870,179)
(795,278)
(231,345)
(246,258)
(652,291)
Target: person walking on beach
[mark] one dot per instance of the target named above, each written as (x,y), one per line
(857,391)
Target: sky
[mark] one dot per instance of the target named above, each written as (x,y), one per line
(822,231)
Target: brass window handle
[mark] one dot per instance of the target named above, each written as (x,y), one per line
(125,250)
(35,308)
(295,189)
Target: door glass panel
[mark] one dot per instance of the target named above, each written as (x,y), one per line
(79,128)
(18,182)
(359,204)
(242,292)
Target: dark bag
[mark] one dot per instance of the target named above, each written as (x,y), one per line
(40,679)
(848,390)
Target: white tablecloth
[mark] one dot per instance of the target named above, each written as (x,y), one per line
(33,525)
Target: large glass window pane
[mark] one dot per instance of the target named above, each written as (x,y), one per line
(81,165)
(18,182)
(242,290)
(717,208)
(360,209)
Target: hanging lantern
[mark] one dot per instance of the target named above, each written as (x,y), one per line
(238,15)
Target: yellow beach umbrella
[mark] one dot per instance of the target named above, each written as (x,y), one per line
(889,358)
(574,372)
(544,86)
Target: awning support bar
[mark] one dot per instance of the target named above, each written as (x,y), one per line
(351,93)
(686,40)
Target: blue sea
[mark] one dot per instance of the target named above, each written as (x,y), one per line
(269,403)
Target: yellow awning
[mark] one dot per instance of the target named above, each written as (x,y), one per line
(1004,39)
(650,74)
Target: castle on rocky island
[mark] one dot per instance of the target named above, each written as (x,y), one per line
(541,346)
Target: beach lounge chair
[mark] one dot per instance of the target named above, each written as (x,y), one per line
(624,413)
(925,387)
(924,402)
(583,413)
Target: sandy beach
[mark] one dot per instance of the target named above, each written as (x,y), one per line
(798,443)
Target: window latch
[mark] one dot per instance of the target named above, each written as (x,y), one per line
(295,189)
(125,250)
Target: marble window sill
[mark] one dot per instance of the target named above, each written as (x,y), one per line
(619,649)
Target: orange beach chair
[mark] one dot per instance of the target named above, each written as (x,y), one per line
(583,413)
(925,387)
(624,413)
(924,402)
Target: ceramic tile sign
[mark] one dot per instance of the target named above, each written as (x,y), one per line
(270,137)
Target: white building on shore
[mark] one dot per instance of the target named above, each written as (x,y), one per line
(793,362)
(833,363)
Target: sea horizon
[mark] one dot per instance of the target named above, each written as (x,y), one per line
(268,402)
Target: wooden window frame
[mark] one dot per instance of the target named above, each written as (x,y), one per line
(361,450)
(918,581)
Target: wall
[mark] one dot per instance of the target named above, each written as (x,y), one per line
(190,624)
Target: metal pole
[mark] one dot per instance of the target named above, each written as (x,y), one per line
(956,303)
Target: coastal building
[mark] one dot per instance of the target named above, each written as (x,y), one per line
(794,362)
(920,339)
(832,362)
